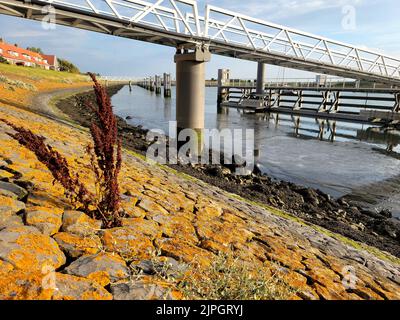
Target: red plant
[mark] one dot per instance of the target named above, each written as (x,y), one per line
(105,156)
(55,162)
(107,153)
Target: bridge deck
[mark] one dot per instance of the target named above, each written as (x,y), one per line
(177,23)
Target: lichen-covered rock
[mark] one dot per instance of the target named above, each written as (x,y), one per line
(24,285)
(10,206)
(5,174)
(181,251)
(47,222)
(27,249)
(128,242)
(11,221)
(147,227)
(79,223)
(141,290)
(164,266)
(21,193)
(75,246)
(176,227)
(102,268)
(48,285)
(151,206)
(8,194)
(75,288)
(5,267)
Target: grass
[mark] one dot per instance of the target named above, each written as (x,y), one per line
(14,84)
(38,74)
(229,278)
(226,278)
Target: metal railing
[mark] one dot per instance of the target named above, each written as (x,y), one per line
(224,32)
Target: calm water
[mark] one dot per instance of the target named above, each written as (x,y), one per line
(339,158)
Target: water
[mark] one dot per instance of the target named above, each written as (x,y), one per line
(336,157)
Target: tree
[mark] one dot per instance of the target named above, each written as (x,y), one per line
(67,66)
(34,49)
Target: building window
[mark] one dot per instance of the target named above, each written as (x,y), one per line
(13,53)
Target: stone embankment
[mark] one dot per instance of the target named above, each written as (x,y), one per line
(50,251)
(343,216)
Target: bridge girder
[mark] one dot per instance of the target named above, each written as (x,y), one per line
(194,36)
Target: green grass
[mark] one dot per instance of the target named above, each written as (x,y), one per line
(37,74)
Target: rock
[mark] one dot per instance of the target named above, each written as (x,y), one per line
(103,268)
(164,266)
(128,242)
(147,227)
(70,287)
(181,251)
(8,194)
(5,175)
(75,245)
(10,206)
(17,190)
(47,222)
(151,206)
(5,267)
(27,249)
(11,221)
(386,213)
(140,290)
(79,223)
(390,227)
(23,285)
(310,196)
(216,171)
(129,118)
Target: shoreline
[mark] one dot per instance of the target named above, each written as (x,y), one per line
(379,230)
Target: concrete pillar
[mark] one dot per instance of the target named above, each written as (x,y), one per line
(260,78)
(158,84)
(167,85)
(190,90)
(152,84)
(223,79)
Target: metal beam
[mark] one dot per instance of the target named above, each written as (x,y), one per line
(171,22)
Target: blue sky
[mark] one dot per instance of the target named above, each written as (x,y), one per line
(377,27)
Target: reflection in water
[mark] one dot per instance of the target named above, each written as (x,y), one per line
(335,156)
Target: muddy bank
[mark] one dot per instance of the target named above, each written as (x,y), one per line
(377,229)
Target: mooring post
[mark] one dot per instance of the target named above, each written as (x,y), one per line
(158,84)
(260,78)
(152,84)
(190,91)
(223,80)
(167,85)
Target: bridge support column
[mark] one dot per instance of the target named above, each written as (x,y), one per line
(190,91)
(167,85)
(260,78)
(223,80)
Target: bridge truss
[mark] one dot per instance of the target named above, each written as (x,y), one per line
(178,23)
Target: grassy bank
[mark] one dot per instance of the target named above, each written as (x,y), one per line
(19,84)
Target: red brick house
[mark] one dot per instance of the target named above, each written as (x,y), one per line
(19,56)
(52,61)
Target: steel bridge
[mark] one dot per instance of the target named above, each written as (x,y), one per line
(178,23)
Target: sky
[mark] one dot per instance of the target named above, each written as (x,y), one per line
(376,26)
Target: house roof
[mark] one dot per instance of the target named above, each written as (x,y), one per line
(51,59)
(23,54)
